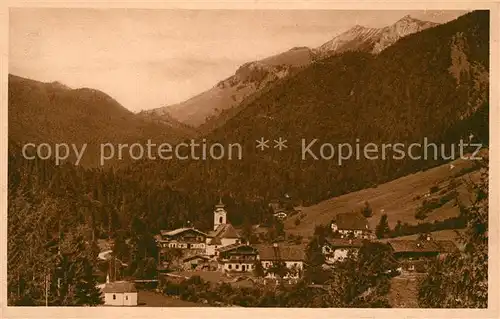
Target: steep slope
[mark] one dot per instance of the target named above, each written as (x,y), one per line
(403,27)
(410,91)
(358,38)
(212,108)
(248,79)
(53,113)
(399,199)
(372,40)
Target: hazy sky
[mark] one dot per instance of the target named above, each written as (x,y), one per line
(150,58)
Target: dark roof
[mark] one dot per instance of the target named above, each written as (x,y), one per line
(400,246)
(447,246)
(194,257)
(119,287)
(215,241)
(231,247)
(180,231)
(343,242)
(351,221)
(286,252)
(224,231)
(258,229)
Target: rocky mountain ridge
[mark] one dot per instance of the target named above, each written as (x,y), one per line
(253,76)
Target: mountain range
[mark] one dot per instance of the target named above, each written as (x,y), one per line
(432,84)
(212,108)
(54,113)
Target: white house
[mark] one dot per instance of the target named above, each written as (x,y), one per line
(120,293)
(336,249)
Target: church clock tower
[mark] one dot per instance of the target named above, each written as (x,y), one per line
(220,214)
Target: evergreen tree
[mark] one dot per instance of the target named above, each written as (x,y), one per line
(258,269)
(362,280)
(382,229)
(247,231)
(367,210)
(314,272)
(398,229)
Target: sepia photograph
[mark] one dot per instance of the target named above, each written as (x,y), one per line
(175,157)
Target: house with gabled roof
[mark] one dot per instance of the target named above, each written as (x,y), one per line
(120,293)
(413,254)
(237,258)
(194,262)
(182,238)
(291,256)
(351,225)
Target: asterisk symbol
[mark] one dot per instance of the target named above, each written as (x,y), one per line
(280,144)
(262,143)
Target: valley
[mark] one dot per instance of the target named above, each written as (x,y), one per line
(272,228)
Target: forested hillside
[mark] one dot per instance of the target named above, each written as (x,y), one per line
(53,113)
(56,214)
(432,84)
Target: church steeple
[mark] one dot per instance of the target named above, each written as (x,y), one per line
(220,204)
(220,214)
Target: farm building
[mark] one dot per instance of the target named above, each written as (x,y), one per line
(351,225)
(292,256)
(415,254)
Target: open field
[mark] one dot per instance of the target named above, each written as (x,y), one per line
(399,199)
(154,299)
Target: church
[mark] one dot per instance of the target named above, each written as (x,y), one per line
(223,233)
(192,240)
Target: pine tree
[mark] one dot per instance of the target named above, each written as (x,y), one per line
(382,228)
(367,210)
(258,269)
(314,272)
(398,229)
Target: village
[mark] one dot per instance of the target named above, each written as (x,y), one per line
(222,255)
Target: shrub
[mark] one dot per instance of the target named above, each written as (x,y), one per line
(367,210)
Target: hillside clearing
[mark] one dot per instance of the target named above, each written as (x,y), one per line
(399,199)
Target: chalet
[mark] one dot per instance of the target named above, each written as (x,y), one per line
(120,293)
(336,249)
(182,238)
(413,254)
(237,258)
(291,256)
(351,225)
(223,233)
